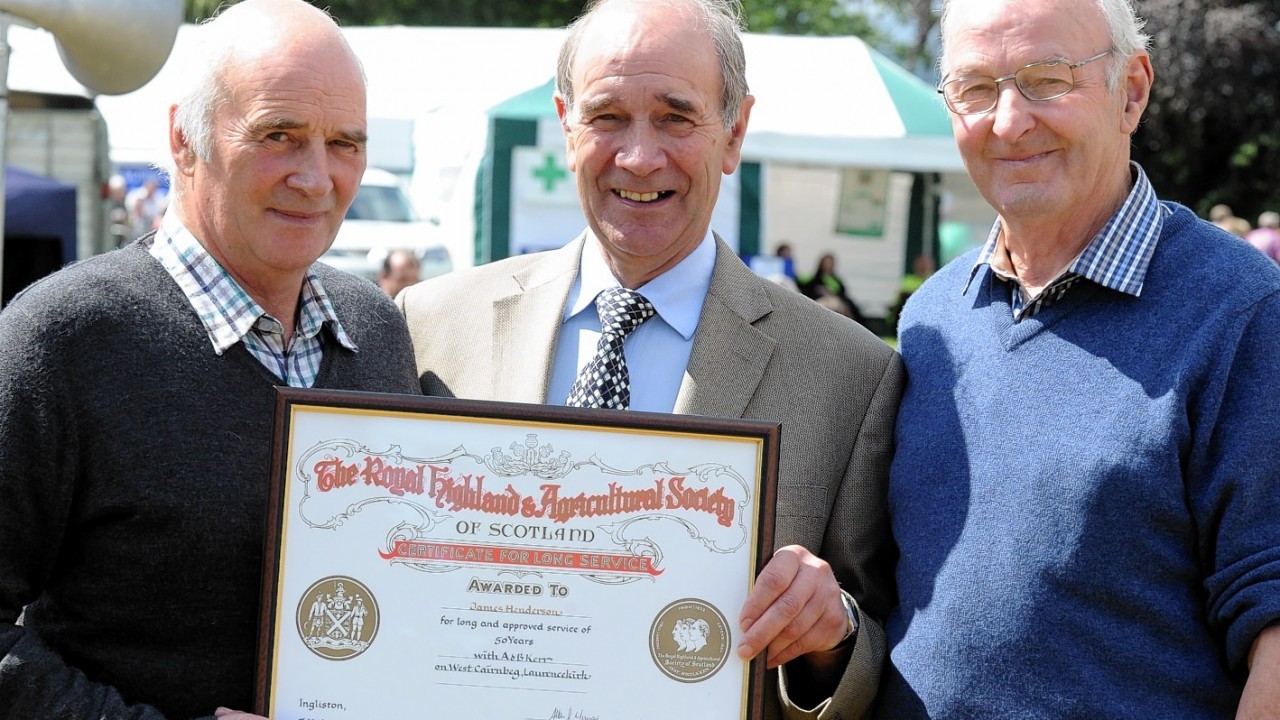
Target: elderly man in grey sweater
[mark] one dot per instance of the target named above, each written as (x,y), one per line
(136,388)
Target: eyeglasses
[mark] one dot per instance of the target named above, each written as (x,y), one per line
(1044,80)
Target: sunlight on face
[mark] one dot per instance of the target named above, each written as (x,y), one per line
(646,137)
(288,153)
(1039,159)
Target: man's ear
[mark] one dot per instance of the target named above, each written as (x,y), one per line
(562,111)
(184,157)
(733,148)
(1138,77)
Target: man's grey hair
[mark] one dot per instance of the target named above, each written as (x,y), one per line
(1123,24)
(723,21)
(207,90)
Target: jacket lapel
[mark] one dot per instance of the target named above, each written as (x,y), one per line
(527,323)
(729,354)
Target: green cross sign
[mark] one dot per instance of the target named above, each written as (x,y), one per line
(550,173)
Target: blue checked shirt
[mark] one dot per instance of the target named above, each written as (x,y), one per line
(1116,258)
(231,316)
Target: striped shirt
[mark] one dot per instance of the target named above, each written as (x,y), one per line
(1117,257)
(231,316)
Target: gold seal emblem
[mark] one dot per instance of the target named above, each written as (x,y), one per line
(689,640)
(337,618)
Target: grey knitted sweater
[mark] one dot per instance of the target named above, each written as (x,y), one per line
(134,467)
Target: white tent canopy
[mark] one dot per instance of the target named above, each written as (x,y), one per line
(835,101)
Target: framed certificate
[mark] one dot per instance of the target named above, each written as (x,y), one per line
(431,557)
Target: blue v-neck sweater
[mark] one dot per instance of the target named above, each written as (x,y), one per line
(1087,502)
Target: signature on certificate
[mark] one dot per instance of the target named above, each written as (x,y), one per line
(571,714)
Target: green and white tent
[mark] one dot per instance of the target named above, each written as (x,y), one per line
(836,101)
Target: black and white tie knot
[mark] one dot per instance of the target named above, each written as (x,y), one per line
(622,310)
(604,381)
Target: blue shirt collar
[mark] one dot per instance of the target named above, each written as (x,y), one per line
(676,294)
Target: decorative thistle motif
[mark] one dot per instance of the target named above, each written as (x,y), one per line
(530,458)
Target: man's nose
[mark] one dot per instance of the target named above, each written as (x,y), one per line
(641,152)
(1012,114)
(311,176)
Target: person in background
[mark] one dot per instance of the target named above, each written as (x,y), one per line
(653,103)
(1237,226)
(922,267)
(118,213)
(824,283)
(1084,489)
(400,269)
(1266,237)
(137,388)
(144,205)
(1224,217)
(777,268)
(1220,212)
(784,252)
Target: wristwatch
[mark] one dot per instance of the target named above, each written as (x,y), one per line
(851,635)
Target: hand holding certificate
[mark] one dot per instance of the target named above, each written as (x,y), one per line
(433,558)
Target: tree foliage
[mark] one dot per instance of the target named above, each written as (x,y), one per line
(805,17)
(919,19)
(1212,131)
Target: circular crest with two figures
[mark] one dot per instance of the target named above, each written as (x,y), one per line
(337,618)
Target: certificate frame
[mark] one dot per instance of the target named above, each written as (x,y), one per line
(661,545)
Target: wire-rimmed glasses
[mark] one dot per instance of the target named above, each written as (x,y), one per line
(1044,80)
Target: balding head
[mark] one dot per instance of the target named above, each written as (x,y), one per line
(721,19)
(1122,24)
(241,35)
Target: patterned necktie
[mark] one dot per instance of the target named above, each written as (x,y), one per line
(604,381)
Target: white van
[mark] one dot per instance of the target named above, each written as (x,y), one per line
(381,219)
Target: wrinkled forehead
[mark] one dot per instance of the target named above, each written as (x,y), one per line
(655,55)
(998,36)
(631,32)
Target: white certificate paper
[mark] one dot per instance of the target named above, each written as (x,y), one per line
(440,558)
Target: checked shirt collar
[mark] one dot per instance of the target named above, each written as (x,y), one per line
(230,315)
(1116,258)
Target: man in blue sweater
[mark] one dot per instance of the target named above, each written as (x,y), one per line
(1086,487)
